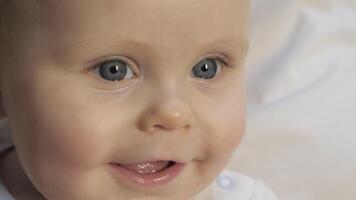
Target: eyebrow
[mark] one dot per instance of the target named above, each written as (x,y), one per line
(233,44)
(236,45)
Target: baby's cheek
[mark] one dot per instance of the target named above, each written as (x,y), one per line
(231,125)
(225,136)
(231,120)
(80,143)
(233,130)
(74,136)
(234,133)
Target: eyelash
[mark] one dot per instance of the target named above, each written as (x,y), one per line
(222,61)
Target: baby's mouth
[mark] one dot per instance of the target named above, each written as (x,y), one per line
(148,173)
(148,167)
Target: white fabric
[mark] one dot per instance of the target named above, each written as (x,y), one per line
(302,99)
(230,185)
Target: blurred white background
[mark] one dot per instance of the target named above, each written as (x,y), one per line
(301,133)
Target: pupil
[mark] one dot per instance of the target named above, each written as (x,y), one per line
(114,69)
(205,67)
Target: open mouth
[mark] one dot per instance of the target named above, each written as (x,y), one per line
(149,173)
(149,167)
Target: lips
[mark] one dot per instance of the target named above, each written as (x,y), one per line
(148,174)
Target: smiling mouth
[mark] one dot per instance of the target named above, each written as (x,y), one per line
(149,173)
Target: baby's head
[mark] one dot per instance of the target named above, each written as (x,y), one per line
(90,87)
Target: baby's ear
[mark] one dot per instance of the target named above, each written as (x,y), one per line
(2,108)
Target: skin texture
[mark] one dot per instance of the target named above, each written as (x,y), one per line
(68,123)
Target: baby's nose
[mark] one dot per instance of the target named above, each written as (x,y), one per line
(167,114)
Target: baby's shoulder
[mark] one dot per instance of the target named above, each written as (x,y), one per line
(232,185)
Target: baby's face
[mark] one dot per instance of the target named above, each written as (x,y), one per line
(106,83)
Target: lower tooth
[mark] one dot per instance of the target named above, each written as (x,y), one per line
(147,171)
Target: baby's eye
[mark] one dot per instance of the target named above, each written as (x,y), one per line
(114,70)
(206,69)
(117,70)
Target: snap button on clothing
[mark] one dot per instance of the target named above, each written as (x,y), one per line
(225,182)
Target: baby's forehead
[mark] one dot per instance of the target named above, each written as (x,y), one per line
(31,10)
(161,22)
(71,23)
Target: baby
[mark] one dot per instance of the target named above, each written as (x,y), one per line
(124,99)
